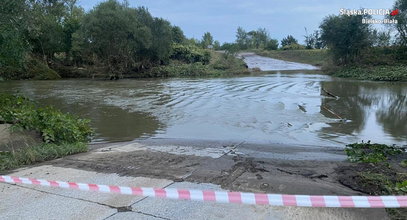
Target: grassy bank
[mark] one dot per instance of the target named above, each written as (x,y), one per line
(377,169)
(376,73)
(313,57)
(219,65)
(61,134)
(38,153)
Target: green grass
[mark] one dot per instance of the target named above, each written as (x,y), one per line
(39,153)
(380,171)
(376,73)
(371,153)
(314,57)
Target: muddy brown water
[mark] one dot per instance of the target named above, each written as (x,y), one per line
(282,107)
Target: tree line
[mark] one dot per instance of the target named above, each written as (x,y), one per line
(40,36)
(347,38)
(351,41)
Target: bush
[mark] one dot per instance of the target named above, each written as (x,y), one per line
(377,73)
(294,46)
(371,153)
(177,70)
(54,126)
(227,62)
(190,54)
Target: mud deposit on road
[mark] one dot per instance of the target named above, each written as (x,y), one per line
(232,170)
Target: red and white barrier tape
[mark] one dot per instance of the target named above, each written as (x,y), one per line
(228,197)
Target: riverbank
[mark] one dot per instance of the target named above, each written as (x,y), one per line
(381,67)
(31,134)
(216,65)
(220,64)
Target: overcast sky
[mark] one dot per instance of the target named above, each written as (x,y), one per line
(222,17)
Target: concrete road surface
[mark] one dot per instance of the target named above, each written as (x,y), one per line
(38,202)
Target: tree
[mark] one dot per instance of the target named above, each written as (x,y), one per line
(112,34)
(313,41)
(46,34)
(319,43)
(13,45)
(162,38)
(380,38)
(177,35)
(242,38)
(71,24)
(230,48)
(288,40)
(207,40)
(401,26)
(272,44)
(216,45)
(346,36)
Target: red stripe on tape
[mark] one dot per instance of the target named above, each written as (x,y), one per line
(209,196)
(93,187)
(289,200)
(160,193)
(73,185)
(35,181)
(114,189)
(318,201)
(137,191)
(261,199)
(346,201)
(184,194)
(375,202)
(235,197)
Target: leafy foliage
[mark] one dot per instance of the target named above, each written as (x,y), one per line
(207,40)
(346,36)
(381,38)
(220,65)
(313,40)
(401,25)
(256,39)
(272,44)
(371,153)
(13,47)
(377,73)
(288,41)
(190,54)
(55,126)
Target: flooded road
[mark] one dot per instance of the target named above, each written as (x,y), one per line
(269,64)
(288,108)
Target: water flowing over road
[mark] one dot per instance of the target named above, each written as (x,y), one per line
(269,64)
(294,108)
